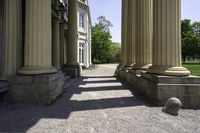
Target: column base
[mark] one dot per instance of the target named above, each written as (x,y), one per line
(128,66)
(169,71)
(142,67)
(36,70)
(36,89)
(73,70)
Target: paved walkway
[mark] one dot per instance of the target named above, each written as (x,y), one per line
(97,103)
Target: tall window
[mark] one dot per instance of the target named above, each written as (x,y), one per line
(81,52)
(81,20)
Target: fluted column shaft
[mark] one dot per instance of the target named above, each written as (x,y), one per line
(62,41)
(38,55)
(123,32)
(72,52)
(13,40)
(130,33)
(144,36)
(56,43)
(167,39)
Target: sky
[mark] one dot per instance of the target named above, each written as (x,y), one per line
(111,9)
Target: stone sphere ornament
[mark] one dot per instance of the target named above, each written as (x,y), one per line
(172,106)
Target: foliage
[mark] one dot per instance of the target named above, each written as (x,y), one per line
(114,54)
(103,50)
(190,40)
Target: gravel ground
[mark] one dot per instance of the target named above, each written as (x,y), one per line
(97,103)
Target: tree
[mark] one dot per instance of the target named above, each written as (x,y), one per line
(196,29)
(188,40)
(101,40)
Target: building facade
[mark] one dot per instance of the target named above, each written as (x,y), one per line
(38,38)
(84,33)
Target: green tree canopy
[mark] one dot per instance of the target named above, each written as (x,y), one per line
(190,39)
(101,40)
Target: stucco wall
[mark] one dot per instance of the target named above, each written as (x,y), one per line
(1,33)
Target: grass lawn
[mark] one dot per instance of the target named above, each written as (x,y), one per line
(193,67)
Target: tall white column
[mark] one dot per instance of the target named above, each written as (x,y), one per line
(56,43)
(144,36)
(167,39)
(72,52)
(62,43)
(13,38)
(65,45)
(130,33)
(38,48)
(123,32)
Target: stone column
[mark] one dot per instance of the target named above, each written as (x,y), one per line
(65,46)
(167,39)
(72,34)
(56,43)
(123,32)
(1,34)
(130,33)
(62,41)
(38,55)
(144,36)
(13,40)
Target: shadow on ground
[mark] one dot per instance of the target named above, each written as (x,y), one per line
(21,117)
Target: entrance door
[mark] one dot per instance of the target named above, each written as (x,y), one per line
(1,33)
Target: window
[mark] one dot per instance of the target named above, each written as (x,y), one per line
(81,52)
(81,20)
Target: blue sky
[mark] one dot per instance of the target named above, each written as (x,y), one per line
(110,9)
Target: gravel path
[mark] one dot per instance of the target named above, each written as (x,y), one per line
(97,103)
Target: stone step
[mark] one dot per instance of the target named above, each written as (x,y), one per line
(4,86)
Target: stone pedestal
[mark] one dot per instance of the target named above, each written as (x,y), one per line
(73,70)
(159,89)
(38,89)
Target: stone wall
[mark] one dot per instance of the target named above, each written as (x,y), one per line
(159,88)
(1,33)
